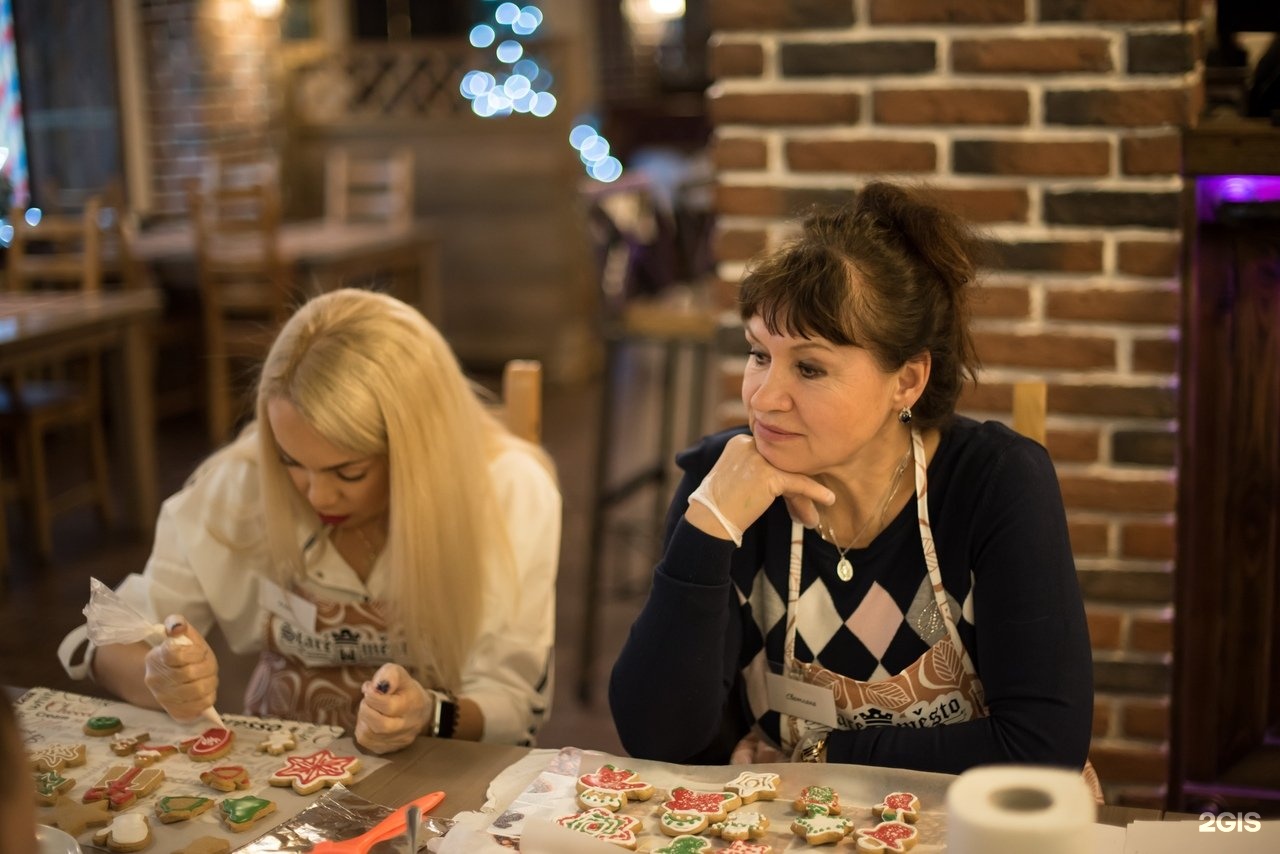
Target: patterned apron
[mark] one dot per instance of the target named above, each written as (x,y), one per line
(941,687)
(316,676)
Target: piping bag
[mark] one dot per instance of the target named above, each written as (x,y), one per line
(112,620)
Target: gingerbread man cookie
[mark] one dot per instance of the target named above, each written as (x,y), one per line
(821,796)
(898,806)
(818,827)
(74,817)
(894,836)
(754,785)
(279,742)
(123,745)
(121,785)
(55,757)
(128,832)
(213,743)
(239,814)
(174,808)
(741,825)
(308,774)
(226,778)
(606,826)
(51,784)
(102,726)
(150,754)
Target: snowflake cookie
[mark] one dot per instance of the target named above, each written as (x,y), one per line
(898,806)
(754,785)
(279,742)
(308,774)
(893,836)
(55,757)
(603,825)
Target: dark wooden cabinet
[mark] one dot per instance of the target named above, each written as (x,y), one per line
(1225,746)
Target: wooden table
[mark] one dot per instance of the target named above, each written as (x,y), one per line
(39,329)
(463,770)
(324,255)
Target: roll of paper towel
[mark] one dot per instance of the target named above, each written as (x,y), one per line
(1014,809)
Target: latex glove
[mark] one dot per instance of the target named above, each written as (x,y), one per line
(753,750)
(743,484)
(390,719)
(182,672)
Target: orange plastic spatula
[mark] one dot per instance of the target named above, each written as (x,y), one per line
(389,828)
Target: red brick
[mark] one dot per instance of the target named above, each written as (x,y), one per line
(1155,355)
(1134,307)
(1060,352)
(1009,157)
(1031,56)
(1148,257)
(784,108)
(1101,718)
(1104,629)
(1067,256)
(1118,107)
(947,12)
(1151,155)
(1145,719)
(739,244)
(739,152)
(1117,764)
(791,15)
(1124,496)
(774,201)
(987,205)
(1001,302)
(857,58)
(952,107)
(1116,401)
(1073,446)
(1088,539)
(861,155)
(1114,10)
(1151,540)
(735,59)
(1151,634)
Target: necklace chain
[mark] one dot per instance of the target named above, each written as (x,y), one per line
(844,569)
(368,547)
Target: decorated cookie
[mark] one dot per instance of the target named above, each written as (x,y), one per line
(741,847)
(73,817)
(51,784)
(817,827)
(606,826)
(121,785)
(887,836)
(714,805)
(172,808)
(610,778)
(686,845)
(213,743)
(226,778)
(590,799)
(741,824)
(239,814)
(206,845)
(898,806)
(149,754)
(123,745)
(754,785)
(821,796)
(128,832)
(308,774)
(55,757)
(278,742)
(101,727)
(683,823)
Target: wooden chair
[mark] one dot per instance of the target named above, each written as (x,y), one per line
(59,251)
(245,288)
(368,188)
(522,398)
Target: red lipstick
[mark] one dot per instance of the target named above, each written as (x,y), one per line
(333,521)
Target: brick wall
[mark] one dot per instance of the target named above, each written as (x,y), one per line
(210,88)
(1054,125)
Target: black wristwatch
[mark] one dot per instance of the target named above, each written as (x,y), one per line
(445,722)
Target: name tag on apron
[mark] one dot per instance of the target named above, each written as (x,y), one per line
(286,605)
(801,700)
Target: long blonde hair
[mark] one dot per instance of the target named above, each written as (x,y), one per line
(371,375)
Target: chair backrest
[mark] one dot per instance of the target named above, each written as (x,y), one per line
(369,188)
(522,398)
(1029,405)
(237,238)
(59,250)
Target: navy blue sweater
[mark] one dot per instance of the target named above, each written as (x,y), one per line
(999,525)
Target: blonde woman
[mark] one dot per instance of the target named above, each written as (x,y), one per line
(377,537)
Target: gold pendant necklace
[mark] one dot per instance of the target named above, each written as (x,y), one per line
(844,568)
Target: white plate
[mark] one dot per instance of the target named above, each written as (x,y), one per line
(54,841)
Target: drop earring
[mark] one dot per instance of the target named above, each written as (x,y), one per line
(905,415)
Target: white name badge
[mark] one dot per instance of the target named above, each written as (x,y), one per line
(801,700)
(286,605)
